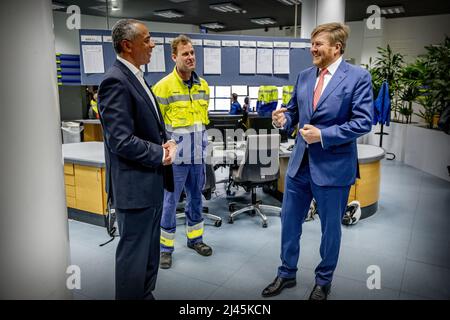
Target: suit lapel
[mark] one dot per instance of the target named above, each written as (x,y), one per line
(311,81)
(335,80)
(140,89)
(157,104)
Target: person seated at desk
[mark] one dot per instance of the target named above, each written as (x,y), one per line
(235,105)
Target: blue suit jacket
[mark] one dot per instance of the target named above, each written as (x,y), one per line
(343,113)
(133,136)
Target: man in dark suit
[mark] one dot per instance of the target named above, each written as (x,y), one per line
(332,104)
(138,160)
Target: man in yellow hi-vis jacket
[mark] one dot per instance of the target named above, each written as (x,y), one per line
(183,98)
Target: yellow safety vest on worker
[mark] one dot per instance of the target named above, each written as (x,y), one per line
(180,105)
(267,100)
(287,94)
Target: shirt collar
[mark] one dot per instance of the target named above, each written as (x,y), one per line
(333,67)
(133,69)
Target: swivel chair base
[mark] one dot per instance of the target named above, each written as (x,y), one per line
(216,219)
(254,207)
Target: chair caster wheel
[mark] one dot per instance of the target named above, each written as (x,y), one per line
(218,223)
(231,193)
(230,220)
(232,207)
(264,225)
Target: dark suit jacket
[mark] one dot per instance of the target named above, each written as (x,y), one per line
(343,113)
(133,136)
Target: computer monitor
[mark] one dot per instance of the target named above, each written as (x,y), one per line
(223,122)
(261,123)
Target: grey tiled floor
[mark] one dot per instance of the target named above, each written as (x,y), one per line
(408,238)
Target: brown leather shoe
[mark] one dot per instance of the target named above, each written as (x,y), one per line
(277,286)
(320,292)
(201,248)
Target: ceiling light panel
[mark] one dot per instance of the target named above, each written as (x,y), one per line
(213,25)
(263,21)
(392,10)
(225,7)
(290,2)
(170,14)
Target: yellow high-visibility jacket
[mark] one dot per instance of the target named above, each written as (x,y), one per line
(287,94)
(179,105)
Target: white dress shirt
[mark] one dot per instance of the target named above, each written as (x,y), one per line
(331,71)
(140,76)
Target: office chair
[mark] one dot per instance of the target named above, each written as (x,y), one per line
(208,189)
(260,167)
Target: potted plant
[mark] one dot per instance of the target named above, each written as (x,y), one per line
(434,76)
(388,67)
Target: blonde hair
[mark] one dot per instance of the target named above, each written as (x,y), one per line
(337,32)
(183,39)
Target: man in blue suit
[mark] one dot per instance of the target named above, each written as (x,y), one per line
(332,105)
(138,160)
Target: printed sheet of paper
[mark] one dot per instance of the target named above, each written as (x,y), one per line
(264,61)
(93,58)
(281,61)
(247,60)
(212,59)
(157,61)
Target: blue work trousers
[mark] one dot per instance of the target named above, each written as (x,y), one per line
(191,179)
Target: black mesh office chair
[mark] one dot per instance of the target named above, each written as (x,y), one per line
(208,189)
(260,167)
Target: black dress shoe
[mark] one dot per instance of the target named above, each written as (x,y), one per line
(277,286)
(320,292)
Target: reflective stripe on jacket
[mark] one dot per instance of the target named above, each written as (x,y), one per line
(180,105)
(287,94)
(267,100)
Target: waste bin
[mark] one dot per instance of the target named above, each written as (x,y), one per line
(71,131)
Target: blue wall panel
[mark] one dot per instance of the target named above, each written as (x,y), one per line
(300,59)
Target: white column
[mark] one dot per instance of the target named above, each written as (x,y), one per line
(330,11)
(33,216)
(309,15)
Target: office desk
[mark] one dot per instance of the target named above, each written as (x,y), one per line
(84,173)
(92,129)
(84,179)
(366,189)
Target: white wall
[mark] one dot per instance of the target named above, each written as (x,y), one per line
(66,41)
(409,35)
(405,35)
